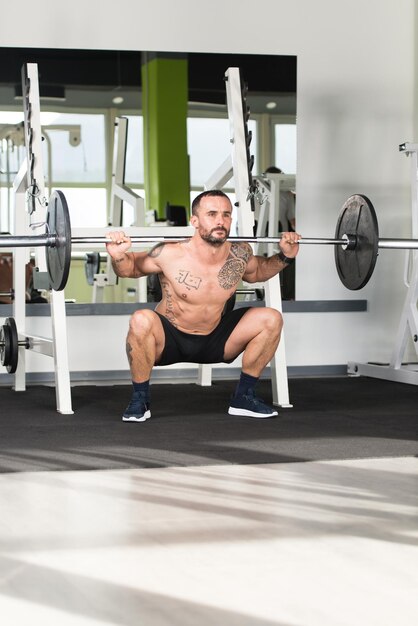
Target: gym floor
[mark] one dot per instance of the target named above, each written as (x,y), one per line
(197,518)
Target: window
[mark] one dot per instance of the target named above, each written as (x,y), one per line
(67,161)
(285,147)
(134,173)
(209,146)
(87,207)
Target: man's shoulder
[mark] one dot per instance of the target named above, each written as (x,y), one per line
(241,250)
(166,249)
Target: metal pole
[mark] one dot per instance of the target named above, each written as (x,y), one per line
(27,241)
(401,244)
(50,240)
(162,239)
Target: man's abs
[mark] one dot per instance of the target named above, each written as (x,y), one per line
(199,319)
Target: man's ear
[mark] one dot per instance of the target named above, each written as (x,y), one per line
(194,221)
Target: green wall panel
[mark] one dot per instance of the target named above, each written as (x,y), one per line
(165,98)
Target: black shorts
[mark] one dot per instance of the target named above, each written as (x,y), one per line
(183,347)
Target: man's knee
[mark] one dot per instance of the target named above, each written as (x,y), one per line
(273,320)
(141,322)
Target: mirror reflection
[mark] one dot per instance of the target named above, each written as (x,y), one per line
(165,162)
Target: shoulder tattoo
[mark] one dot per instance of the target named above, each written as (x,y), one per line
(234,267)
(241,251)
(156,250)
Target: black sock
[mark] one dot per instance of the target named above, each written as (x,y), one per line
(143,388)
(246,382)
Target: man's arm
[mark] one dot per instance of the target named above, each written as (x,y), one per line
(132,264)
(260,269)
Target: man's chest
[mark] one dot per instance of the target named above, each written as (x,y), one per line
(194,279)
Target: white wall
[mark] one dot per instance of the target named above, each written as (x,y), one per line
(356,90)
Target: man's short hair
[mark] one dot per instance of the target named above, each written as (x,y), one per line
(209,192)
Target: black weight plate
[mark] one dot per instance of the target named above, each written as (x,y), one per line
(357,218)
(9,346)
(14,345)
(4,345)
(58,257)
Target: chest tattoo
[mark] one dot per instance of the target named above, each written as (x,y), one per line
(234,267)
(188,280)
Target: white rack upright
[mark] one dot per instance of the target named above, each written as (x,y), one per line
(237,166)
(396,370)
(30,203)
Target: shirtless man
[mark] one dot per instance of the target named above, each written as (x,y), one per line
(198,276)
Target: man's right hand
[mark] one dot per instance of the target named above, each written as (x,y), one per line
(119,245)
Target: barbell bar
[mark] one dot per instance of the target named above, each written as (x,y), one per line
(346,242)
(42,241)
(168,238)
(356,241)
(7,294)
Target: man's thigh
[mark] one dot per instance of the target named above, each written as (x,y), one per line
(255,321)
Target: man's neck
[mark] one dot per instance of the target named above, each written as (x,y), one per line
(213,252)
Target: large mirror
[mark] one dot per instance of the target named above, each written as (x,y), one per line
(83,92)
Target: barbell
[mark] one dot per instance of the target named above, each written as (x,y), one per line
(356,241)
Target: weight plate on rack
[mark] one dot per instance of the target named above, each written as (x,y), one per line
(9,346)
(58,257)
(357,218)
(91,266)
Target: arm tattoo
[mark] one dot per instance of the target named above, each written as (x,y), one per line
(117,262)
(234,267)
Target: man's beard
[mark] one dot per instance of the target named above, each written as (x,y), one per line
(214,241)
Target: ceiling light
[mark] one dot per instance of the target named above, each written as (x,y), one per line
(271,105)
(117,100)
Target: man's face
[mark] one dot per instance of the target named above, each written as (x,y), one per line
(213,219)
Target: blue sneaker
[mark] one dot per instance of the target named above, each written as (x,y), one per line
(138,410)
(249,405)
